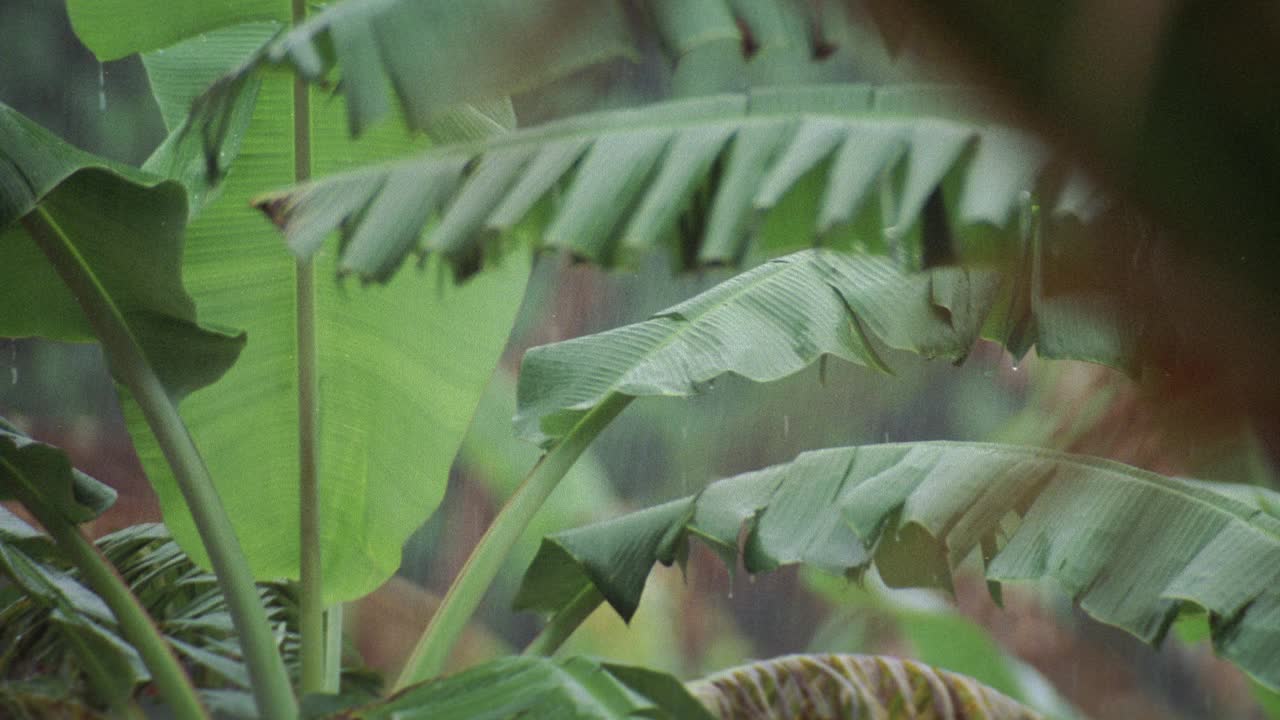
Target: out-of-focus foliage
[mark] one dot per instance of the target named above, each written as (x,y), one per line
(1163,101)
(381,46)
(736,47)
(851,686)
(1161,96)
(574,689)
(922,625)
(818,686)
(49,76)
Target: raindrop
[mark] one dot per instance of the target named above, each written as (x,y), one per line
(730,590)
(102,90)
(786,425)
(751,578)
(13,363)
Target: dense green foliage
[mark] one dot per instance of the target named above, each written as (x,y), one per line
(309,441)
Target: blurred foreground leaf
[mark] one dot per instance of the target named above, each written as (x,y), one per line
(527,687)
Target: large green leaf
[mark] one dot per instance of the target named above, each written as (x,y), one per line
(1133,547)
(396,386)
(126,228)
(764,324)
(116,28)
(529,687)
(838,163)
(845,687)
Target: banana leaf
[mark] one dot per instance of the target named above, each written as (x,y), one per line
(851,686)
(1134,548)
(395,396)
(897,169)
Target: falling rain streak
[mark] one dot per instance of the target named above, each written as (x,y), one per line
(102,90)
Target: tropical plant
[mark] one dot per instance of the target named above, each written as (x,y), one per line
(297,428)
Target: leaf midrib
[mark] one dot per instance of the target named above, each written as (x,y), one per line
(547,134)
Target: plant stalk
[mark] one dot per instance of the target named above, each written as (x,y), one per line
(333,649)
(271,689)
(136,625)
(311,610)
(311,619)
(468,588)
(563,623)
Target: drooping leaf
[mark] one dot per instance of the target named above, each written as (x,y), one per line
(728,45)
(424,53)
(875,157)
(37,472)
(1132,547)
(715,46)
(377,43)
(530,687)
(126,228)
(395,395)
(778,318)
(764,324)
(706,43)
(843,687)
(179,74)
